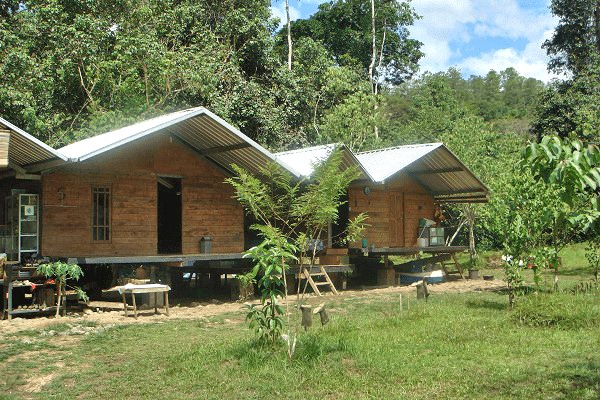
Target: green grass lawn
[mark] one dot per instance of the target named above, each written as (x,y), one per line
(455,346)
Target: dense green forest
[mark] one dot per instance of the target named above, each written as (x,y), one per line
(72,69)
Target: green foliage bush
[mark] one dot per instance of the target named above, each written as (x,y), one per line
(559,310)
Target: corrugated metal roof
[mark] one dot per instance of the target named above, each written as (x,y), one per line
(304,160)
(384,163)
(198,128)
(432,165)
(25,150)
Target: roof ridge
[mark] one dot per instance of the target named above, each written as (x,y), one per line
(146,121)
(321,146)
(400,147)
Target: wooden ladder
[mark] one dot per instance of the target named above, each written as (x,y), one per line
(453,262)
(308,275)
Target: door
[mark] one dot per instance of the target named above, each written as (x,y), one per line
(169,215)
(396,219)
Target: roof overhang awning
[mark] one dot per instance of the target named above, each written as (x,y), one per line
(447,178)
(431,165)
(21,154)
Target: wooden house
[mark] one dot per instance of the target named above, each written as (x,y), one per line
(154,192)
(148,190)
(398,186)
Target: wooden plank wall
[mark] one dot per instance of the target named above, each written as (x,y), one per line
(394,210)
(4,143)
(208,208)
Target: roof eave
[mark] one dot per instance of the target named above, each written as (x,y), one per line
(33,139)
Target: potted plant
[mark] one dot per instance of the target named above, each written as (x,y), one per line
(474,268)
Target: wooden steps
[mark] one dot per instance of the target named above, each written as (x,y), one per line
(308,274)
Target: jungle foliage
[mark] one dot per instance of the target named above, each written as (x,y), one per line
(74,69)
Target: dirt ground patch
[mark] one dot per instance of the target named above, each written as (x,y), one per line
(88,322)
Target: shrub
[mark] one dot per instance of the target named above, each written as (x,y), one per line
(559,310)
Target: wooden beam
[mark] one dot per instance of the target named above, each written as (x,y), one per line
(164,182)
(29,177)
(154,259)
(462,192)
(438,171)
(420,182)
(40,166)
(197,152)
(465,200)
(222,149)
(16,167)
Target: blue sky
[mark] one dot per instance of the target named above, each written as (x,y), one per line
(472,35)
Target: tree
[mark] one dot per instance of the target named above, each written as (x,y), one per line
(573,171)
(288,26)
(73,69)
(63,272)
(345,28)
(291,216)
(351,123)
(572,107)
(576,41)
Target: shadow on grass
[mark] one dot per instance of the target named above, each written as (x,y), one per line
(584,378)
(584,272)
(499,304)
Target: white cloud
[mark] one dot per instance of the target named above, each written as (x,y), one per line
(530,62)
(278,11)
(448,25)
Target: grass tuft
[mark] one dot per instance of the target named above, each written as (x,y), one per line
(558,310)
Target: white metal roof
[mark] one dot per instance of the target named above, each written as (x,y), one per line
(25,150)
(197,128)
(304,160)
(384,163)
(432,165)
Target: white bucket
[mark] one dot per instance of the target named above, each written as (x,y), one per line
(422,242)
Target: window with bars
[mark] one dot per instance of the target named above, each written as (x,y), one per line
(100,213)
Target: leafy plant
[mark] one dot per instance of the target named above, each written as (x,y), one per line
(513,269)
(63,272)
(572,170)
(292,215)
(271,259)
(592,253)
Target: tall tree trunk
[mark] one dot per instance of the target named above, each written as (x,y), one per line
(470,216)
(597,25)
(372,65)
(289,33)
(59,296)
(373,45)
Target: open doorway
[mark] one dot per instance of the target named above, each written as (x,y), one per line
(338,228)
(169,215)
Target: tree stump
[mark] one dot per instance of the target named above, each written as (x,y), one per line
(322,313)
(306,316)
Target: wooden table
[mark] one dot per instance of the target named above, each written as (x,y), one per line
(438,254)
(148,288)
